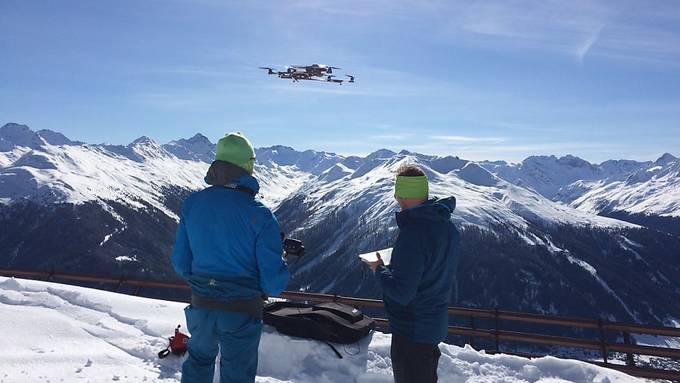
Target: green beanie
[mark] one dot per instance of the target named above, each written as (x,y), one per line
(411,187)
(236,149)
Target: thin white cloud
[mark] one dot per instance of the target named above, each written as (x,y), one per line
(391,137)
(574,28)
(464,139)
(588,44)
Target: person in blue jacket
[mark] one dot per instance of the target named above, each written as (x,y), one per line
(228,248)
(419,283)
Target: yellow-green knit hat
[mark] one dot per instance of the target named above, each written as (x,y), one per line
(236,149)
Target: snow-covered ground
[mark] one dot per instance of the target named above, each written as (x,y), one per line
(60,333)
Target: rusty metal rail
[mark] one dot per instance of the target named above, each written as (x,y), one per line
(494,315)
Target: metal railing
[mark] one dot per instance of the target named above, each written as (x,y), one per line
(603,328)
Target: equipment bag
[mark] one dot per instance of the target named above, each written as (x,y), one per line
(326,322)
(178,344)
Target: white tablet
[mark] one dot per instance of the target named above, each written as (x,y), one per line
(385,255)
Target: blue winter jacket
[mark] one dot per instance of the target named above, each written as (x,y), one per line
(419,283)
(228,244)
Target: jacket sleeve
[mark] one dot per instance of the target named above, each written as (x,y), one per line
(269,253)
(401,278)
(181,253)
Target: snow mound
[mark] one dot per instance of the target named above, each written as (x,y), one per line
(57,332)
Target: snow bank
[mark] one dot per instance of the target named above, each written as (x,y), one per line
(56,332)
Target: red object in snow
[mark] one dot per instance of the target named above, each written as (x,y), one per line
(178,344)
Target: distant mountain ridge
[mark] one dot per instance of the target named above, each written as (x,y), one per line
(533,239)
(650,187)
(595,188)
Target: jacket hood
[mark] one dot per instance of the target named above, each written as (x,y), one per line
(434,209)
(223,173)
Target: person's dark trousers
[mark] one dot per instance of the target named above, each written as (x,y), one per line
(414,362)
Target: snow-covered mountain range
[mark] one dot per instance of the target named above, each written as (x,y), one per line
(47,165)
(651,188)
(536,236)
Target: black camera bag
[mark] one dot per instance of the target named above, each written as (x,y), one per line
(326,322)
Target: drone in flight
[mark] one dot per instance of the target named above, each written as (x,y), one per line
(314,72)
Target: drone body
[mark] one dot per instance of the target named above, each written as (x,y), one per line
(314,72)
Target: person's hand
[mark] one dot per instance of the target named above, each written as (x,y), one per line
(374,265)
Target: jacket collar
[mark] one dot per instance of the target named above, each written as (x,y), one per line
(434,209)
(222,173)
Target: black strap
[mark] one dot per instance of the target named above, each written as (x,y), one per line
(252,306)
(164,353)
(334,350)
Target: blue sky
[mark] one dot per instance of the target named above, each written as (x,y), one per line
(496,79)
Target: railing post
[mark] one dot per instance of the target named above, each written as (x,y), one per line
(137,290)
(603,341)
(473,327)
(120,282)
(495,315)
(630,360)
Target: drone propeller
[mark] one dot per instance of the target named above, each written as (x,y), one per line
(351,78)
(269,70)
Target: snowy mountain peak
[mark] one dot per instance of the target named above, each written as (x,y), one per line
(55,138)
(381,154)
(13,126)
(309,161)
(196,148)
(277,148)
(12,135)
(143,140)
(539,159)
(477,175)
(665,159)
(574,162)
(568,160)
(198,137)
(146,148)
(446,164)
(283,155)
(197,140)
